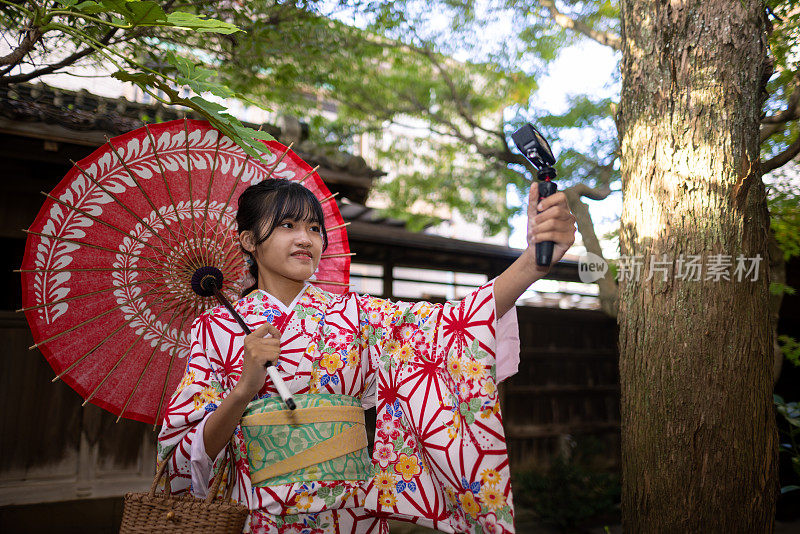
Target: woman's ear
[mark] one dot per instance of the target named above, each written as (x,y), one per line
(247,240)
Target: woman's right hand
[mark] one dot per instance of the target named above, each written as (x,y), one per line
(263,345)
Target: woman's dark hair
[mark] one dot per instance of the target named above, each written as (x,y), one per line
(265,205)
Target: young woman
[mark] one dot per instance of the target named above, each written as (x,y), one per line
(431,370)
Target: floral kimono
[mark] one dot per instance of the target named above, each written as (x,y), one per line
(439,456)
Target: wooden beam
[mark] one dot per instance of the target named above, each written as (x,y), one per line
(557,389)
(53,132)
(443,253)
(544,431)
(565,353)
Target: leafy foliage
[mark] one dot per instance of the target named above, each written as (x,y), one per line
(386,74)
(784,199)
(91,25)
(215,113)
(791,415)
(790,348)
(570,491)
(458,75)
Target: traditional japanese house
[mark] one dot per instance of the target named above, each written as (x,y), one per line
(61,462)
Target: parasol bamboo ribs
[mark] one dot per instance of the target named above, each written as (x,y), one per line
(127,351)
(149,360)
(122,205)
(141,189)
(87,321)
(309,173)
(163,175)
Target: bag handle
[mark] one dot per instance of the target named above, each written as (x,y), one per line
(212,492)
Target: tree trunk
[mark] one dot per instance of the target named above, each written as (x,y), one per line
(698,430)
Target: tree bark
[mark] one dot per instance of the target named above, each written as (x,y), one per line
(698,429)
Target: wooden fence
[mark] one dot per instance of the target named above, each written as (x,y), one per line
(567,386)
(52,449)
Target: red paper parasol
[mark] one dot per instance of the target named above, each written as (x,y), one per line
(109,259)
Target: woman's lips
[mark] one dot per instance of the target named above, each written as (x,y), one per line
(302,254)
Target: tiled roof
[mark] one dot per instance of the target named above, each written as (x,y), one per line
(89,118)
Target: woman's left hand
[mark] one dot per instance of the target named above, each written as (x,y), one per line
(555,222)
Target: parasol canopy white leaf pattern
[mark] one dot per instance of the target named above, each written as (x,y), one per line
(109,259)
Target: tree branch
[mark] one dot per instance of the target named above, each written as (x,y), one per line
(769,130)
(462,111)
(567,22)
(67,61)
(72,58)
(783,158)
(592,193)
(607,285)
(32,36)
(775,123)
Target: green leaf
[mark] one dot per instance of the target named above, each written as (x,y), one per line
(247,138)
(139,78)
(199,79)
(189,21)
(776,288)
(138,13)
(790,348)
(134,12)
(475,404)
(145,13)
(90,8)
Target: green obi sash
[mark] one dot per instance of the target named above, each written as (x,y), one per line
(323,439)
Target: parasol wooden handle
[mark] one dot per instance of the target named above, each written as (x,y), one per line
(207,281)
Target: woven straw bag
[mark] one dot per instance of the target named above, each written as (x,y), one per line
(165,513)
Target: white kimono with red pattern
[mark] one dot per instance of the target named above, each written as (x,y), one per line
(439,458)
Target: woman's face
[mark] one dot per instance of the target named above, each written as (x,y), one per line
(292,251)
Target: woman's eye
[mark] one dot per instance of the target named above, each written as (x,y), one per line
(286,225)
(317,229)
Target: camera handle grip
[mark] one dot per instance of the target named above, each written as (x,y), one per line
(544,250)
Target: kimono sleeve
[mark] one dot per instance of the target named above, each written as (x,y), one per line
(202,389)
(440,453)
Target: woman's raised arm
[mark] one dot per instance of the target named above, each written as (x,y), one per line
(555,223)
